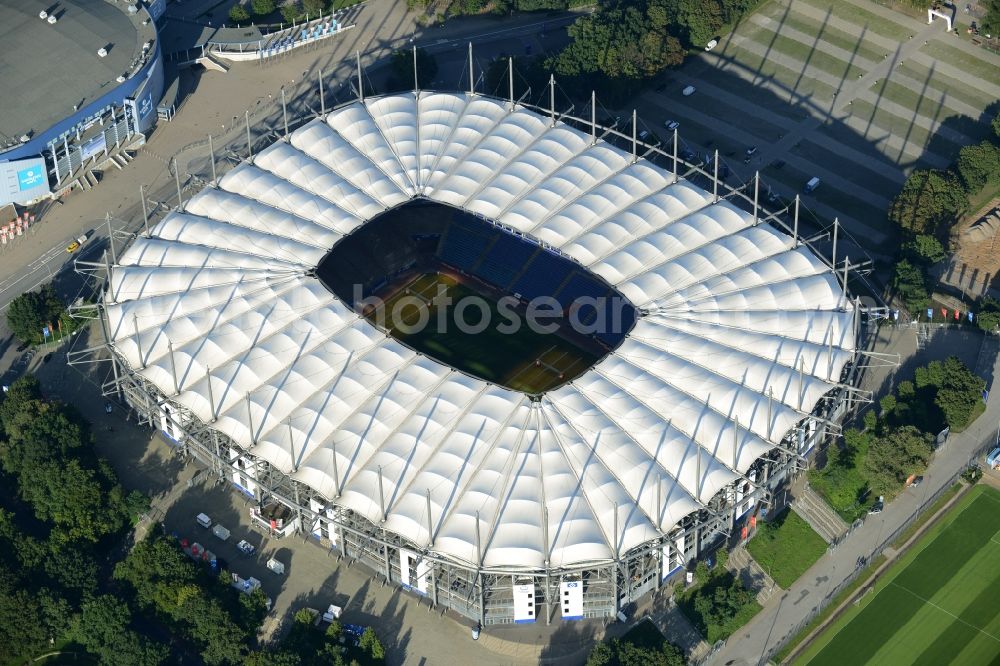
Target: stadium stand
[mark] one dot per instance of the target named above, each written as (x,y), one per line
(504,260)
(543,275)
(463,245)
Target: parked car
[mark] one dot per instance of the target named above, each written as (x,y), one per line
(643,135)
(711,45)
(671,125)
(877,506)
(688,91)
(917,480)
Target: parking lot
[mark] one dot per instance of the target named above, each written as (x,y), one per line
(850,92)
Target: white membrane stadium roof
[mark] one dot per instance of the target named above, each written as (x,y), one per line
(732,313)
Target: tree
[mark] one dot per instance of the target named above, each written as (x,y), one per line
(31,311)
(262,7)
(238,13)
(371,644)
(924,249)
(910,283)
(894,457)
(291,12)
(73,498)
(314,8)
(401,66)
(978,165)
(990,25)
(699,20)
(601,655)
(988,317)
(929,202)
(958,392)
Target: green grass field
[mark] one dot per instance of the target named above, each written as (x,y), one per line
(524,360)
(786,547)
(939,605)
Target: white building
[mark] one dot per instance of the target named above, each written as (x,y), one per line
(489,501)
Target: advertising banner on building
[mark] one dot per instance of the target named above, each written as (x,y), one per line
(23,181)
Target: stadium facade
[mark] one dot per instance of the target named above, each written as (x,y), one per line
(86,82)
(502,506)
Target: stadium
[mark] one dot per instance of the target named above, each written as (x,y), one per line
(86,84)
(506,476)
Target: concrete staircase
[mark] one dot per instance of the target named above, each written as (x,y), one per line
(752,575)
(814,510)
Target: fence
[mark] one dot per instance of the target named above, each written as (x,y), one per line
(985,446)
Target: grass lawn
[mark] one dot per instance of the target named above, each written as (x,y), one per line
(984,68)
(786,77)
(786,547)
(863,18)
(807,55)
(830,35)
(944,84)
(937,605)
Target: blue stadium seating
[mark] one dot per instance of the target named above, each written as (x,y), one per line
(463,246)
(504,260)
(545,272)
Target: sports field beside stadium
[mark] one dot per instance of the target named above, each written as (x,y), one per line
(524,360)
(940,604)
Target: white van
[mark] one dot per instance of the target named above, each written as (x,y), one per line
(812,184)
(711,45)
(688,91)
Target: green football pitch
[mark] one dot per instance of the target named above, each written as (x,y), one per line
(939,605)
(524,360)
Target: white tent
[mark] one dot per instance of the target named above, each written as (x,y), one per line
(742,332)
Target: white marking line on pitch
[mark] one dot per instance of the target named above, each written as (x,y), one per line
(928,601)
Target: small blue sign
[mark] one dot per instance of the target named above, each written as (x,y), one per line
(32,177)
(145,105)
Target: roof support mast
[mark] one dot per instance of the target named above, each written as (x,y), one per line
(635,146)
(756,196)
(795,228)
(284,113)
(111,238)
(833,260)
(430,522)
(510,80)
(361,90)
(138,342)
(142,197)
(322,94)
(472,79)
(715,177)
(246,114)
(211,396)
(676,167)
(177,180)
(552,98)
(416,79)
(211,155)
(593,117)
